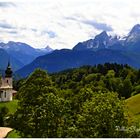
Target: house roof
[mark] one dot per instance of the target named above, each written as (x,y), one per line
(14,91)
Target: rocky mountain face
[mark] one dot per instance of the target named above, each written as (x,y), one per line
(103,40)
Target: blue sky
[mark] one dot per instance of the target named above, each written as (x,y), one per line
(63,23)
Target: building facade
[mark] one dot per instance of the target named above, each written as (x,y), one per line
(6,85)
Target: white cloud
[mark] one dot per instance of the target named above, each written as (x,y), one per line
(47,22)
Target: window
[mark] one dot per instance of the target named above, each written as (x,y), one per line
(5,94)
(7,81)
(1,94)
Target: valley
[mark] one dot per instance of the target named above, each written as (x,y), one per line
(91,90)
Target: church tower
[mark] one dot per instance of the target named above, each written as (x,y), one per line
(6,86)
(8,75)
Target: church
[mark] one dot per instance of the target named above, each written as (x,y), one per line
(6,86)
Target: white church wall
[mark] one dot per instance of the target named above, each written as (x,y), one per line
(6,85)
(0,96)
(6,95)
(9,81)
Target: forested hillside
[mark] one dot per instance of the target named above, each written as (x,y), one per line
(86,102)
(108,77)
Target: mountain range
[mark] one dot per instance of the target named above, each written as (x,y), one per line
(19,54)
(104,41)
(101,49)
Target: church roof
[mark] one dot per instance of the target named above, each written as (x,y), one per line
(8,71)
(14,91)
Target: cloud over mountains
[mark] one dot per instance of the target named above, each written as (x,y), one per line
(98,26)
(6,4)
(5,25)
(61,24)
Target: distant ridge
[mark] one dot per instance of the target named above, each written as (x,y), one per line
(19,53)
(99,50)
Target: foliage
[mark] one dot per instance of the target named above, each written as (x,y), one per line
(3,112)
(13,134)
(100,116)
(12,106)
(82,102)
(39,108)
(108,77)
(133,131)
(6,109)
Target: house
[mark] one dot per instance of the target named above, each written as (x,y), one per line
(6,85)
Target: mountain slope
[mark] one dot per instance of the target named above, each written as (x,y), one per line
(134,34)
(100,41)
(65,59)
(4,58)
(23,52)
(133,105)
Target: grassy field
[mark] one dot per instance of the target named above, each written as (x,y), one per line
(13,134)
(10,105)
(133,106)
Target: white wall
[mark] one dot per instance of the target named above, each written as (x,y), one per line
(8,96)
